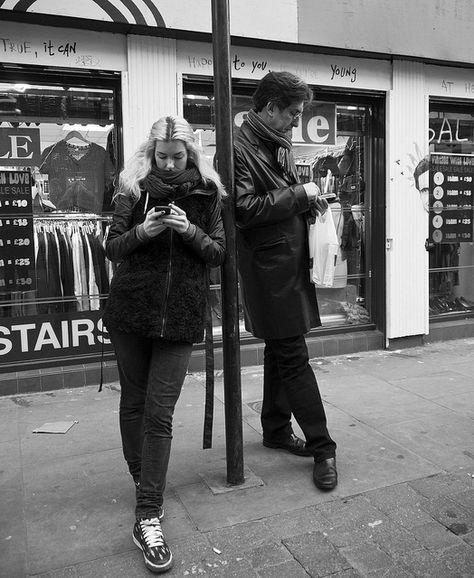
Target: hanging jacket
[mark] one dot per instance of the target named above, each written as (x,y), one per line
(160,287)
(272,239)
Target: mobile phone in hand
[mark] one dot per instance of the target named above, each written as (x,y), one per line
(163,209)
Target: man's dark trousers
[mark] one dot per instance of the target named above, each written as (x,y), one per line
(290,387)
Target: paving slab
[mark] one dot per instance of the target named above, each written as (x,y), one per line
(13,537)
(70,505)
(437,384)
(367,557)
(377,402)
(461,366)
(391,498)
(461,404)
(8,421)
(293,569)
(296,522)
(393,538)
(96,430)
(459,481)
(423,563)
(434,536)
(422,436)
(328,560)
(450,514)
(459,559)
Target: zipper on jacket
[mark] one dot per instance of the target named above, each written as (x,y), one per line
(168,286)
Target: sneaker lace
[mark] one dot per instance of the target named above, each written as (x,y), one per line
(152,533)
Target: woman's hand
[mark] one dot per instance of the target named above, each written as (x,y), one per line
(177,220)
(153,224)
(156,222)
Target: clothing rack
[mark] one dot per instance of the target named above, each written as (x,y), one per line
(70,262)
(65,217)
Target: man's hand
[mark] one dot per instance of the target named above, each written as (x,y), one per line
(312,191)
(321,205)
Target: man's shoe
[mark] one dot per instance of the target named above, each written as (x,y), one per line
(325,474)
(293,444)
(148,536)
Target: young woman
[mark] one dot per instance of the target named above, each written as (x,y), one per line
(166,230)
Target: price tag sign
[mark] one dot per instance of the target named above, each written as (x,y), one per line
(17,251)
(451,194)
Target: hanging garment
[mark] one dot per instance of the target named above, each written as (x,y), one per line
(80,183)
(340,272)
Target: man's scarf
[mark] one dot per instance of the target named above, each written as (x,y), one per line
(283,143)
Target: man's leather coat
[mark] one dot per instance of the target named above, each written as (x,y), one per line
(272,239)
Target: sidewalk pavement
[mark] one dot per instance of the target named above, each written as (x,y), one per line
(404,506)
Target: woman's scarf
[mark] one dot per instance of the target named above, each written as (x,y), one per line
(284,158)
(171,184)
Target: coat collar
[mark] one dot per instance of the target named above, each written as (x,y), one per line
(260,148)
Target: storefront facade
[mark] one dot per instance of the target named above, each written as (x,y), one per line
(384,135)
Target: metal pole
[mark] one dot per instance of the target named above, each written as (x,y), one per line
(230,309)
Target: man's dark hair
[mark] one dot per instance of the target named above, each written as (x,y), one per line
(281,88)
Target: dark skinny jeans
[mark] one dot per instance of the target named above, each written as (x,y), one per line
(152,372)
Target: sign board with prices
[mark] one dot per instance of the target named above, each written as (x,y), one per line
(17,255)
(451,193)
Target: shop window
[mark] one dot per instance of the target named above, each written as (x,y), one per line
(58,162)
(334,147)
(446,180)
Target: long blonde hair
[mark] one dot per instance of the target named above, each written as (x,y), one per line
(166,129)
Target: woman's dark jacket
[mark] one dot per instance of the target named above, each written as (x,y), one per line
(272,239)
(160,287)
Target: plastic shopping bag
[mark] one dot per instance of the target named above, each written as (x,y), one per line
(323,249)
